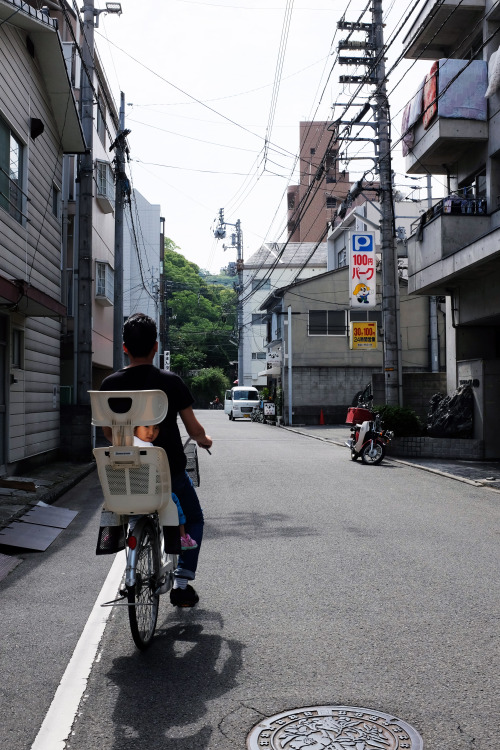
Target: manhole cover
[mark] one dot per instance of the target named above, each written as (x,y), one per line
(333,728)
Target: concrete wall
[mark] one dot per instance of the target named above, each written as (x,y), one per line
(418,389)
(331,390)
(325,389)
(428,447)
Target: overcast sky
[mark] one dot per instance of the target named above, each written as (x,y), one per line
(199,83)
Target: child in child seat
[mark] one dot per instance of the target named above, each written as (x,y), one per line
(144,435)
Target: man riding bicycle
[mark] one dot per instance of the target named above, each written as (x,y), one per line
(140,344)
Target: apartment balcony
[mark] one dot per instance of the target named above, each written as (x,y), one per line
(441,27)
(447,117)
(453,243)
(445,143)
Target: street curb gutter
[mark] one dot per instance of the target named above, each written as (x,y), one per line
(392,459)
(54,493)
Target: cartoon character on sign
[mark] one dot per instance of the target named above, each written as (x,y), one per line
(361,292)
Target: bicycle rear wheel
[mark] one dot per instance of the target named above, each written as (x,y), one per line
(142,597)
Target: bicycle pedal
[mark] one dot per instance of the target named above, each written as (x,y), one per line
(164,586)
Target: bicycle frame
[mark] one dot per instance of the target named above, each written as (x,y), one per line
(131,554)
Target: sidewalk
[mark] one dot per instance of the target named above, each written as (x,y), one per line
(46,485)
(477,473)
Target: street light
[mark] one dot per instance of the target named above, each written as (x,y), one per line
(110,8)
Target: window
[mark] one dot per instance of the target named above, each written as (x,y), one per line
(480,185)
(342,258)
(312,151)
(258,355)
(105,182)
(263,284)
(331,201)
(104,283)
(258,319)
(11,172)
(330,179)
(330,158)
(245,396)
(105,186)
(363,315)
(327,323)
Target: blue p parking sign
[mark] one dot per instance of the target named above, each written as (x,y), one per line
(363,243)
(362,270)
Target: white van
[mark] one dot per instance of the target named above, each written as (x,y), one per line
(240,402)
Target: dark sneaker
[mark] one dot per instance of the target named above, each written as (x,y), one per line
(184,597)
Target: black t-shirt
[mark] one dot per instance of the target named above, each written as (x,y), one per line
(149,377)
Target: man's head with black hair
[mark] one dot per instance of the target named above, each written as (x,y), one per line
(139,335)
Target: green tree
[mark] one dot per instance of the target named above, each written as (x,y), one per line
(201,327)
(208,384)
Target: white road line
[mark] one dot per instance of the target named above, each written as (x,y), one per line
(57,724)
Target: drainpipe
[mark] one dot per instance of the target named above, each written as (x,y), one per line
(433,319)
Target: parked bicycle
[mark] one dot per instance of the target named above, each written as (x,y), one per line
(136,481)
(257,415)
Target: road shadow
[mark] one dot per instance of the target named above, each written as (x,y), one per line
(163,692)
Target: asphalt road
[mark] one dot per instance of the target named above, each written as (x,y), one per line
(321,582)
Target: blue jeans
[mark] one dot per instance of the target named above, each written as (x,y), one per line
(182,486)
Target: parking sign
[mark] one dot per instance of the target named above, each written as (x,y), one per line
(362,273)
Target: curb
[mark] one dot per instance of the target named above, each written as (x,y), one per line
(473,482)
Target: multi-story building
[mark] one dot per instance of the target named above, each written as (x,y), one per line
(312,205)
(451,128)
(311,355)
(322,187)
(39,123)
(142,253)
(274,265)
(313,360)
(106,126)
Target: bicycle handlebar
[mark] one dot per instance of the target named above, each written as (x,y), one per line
(201,446)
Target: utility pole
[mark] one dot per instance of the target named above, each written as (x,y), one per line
(167,313)
(122,191)
(389,267)
(237,242)
(374,60)
(86,182)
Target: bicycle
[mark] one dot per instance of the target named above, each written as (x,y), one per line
(257,415)
(136,480)
(149,572)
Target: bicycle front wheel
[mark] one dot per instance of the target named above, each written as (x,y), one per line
(143,598)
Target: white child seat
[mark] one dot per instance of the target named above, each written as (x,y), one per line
(134,479)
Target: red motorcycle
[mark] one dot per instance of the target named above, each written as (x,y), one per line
(368,438)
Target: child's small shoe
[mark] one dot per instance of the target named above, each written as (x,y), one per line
(188,543)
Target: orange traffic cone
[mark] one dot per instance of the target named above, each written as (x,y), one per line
(321,417)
